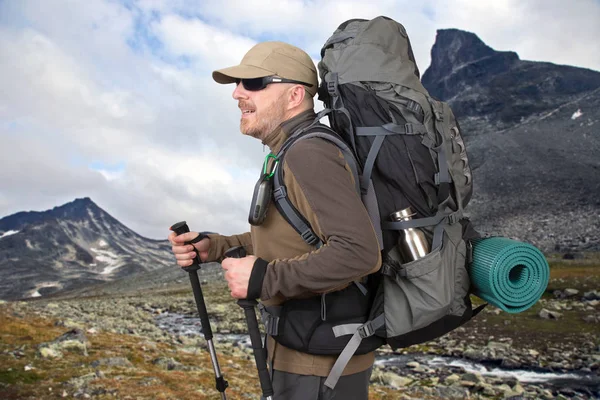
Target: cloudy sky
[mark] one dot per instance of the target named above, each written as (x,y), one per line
(114,100)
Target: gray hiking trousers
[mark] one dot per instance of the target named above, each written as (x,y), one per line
(288,386)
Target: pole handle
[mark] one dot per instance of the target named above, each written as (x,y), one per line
(182,227)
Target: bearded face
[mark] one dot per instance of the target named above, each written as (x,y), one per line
(262,114)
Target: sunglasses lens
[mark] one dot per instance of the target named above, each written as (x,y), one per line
(253,84)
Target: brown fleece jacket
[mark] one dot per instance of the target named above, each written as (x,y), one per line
(320,185)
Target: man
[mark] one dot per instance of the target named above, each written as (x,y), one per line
(274,87)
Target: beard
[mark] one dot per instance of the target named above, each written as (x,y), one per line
(266,120)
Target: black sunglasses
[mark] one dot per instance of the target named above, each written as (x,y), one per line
(256,84)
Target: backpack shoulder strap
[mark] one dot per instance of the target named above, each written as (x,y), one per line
(299,223)
(282,201)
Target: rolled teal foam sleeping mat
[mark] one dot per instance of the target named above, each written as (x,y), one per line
(509,274)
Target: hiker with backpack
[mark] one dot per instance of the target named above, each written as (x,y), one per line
(309,282)
(358,234)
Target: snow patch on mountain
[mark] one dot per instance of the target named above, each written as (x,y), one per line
(576,114)
(112,260)
(36,291)
(8,233)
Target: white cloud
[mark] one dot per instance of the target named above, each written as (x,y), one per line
(213,47)
(48,87)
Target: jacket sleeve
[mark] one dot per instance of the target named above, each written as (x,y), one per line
(320,185)
(219,244)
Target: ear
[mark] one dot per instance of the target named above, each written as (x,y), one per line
(296,96)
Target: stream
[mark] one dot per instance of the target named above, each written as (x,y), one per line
(179,324)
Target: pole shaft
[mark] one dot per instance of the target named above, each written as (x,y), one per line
(221,383)
(213,356)
(260,353)
(201,305)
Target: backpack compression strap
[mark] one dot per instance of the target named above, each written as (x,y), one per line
(358,332)
(380,133)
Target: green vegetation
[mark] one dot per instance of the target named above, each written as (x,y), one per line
(12,377)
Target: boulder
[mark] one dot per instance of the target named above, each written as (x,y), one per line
(73,340)
(498,346)
(451,379)
(547,314)
(592,295)
(394,380)
(471,377)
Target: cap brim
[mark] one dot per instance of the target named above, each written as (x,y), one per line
(229,75)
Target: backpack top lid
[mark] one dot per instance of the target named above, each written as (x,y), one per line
(381,45)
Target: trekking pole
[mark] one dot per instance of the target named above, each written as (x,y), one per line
(221,383)
(260,353)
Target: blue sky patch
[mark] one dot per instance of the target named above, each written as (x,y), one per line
(101,166)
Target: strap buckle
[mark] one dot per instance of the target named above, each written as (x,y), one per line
(332,84)
(454,217)
(414,107)
(469,252)
(279,193)
(388,270)
(408,128)
(366,330)
(309,237)
(270,321)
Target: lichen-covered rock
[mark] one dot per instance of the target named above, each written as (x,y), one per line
(49,352)
(112,362)
(394,380)
(81,381)
(451,379)
(171,364)
(73,340)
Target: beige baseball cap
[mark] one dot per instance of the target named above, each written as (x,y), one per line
(272,58)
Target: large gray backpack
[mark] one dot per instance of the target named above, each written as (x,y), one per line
(407,151)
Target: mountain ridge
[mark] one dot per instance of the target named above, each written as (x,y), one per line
(493,90)
(71,246)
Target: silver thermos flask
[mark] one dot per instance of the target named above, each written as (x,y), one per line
(412,243)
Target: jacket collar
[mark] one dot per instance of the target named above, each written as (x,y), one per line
(275,139)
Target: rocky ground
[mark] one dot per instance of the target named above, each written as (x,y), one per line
(146,346)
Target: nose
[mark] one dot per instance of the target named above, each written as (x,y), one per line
(239,92)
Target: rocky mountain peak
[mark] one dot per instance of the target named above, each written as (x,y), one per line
(491,90)
(454,47)
(78,243)
(76,210)
(454,50)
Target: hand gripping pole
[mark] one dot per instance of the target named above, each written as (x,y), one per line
(221,383)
